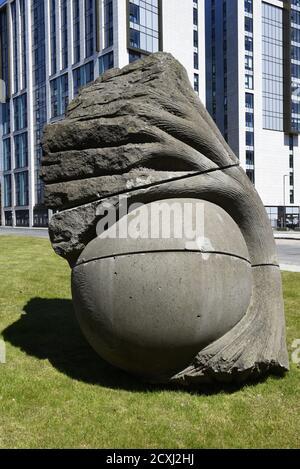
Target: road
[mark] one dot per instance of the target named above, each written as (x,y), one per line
(289,254)
(288,250)
(36,232)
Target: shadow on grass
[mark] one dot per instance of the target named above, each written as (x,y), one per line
(48,329)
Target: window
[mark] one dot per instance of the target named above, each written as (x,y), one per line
(251,175)
(135,39)
(22,31)
(195,16)
(106,62)
(249,119)
(273,216)
(248,24)
(89,27)
(59,95)
(64,34)
(249,101)
(134,13)
(53,36)
(196,61)
(82,76)
(6,155)
(22,218)
(108,23)
(249,82)
(6,118)
(76,31)
(7,190)
(196,38)
(196,82)
(250,157)
(144,25)
(249,62)
(20,111)
(249,139)
(133,56)
(272,55)
(249,44)
(15,46)
(248,6)
(21,150)
(21,182)
(292,199)
(8,218)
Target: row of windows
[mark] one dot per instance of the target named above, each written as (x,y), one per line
(144,26)
(21,189)
(40,217)
(249,97)
(272,67)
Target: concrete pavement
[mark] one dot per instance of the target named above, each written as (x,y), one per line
(35,232)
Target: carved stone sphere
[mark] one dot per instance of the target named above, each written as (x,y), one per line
(149,303)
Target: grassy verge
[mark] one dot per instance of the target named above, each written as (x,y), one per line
(55,392)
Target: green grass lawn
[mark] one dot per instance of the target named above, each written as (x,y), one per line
(55,392)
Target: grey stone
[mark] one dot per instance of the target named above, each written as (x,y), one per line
(163,309)
(149,307)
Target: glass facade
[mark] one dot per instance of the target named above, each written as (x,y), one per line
(20,112)
(108,23)
(21,150)
(89,27)
(15,46)
(7,190)
(272,44)
(23,44)
(82,76)
(106,62)
(76,31)
(64,34)
(4,48)
(196,45)
(53,36)
(295,65)
(39,89)
(249,86)
(59,95)
(144,25)
(225,71)
(21,183)
(6,154)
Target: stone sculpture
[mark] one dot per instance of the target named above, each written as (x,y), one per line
(164,309)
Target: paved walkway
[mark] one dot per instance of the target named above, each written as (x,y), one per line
(287,235)
(35,232)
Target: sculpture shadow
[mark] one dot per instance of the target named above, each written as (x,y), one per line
(48,330)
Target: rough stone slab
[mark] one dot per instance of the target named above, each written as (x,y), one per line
(81,191)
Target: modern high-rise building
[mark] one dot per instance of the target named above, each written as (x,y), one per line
(50,48)
(253,94)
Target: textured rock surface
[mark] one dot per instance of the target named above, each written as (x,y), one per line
(141,131)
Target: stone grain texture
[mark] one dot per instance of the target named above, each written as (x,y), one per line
(142,132)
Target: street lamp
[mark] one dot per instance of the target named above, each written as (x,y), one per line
(284,195)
